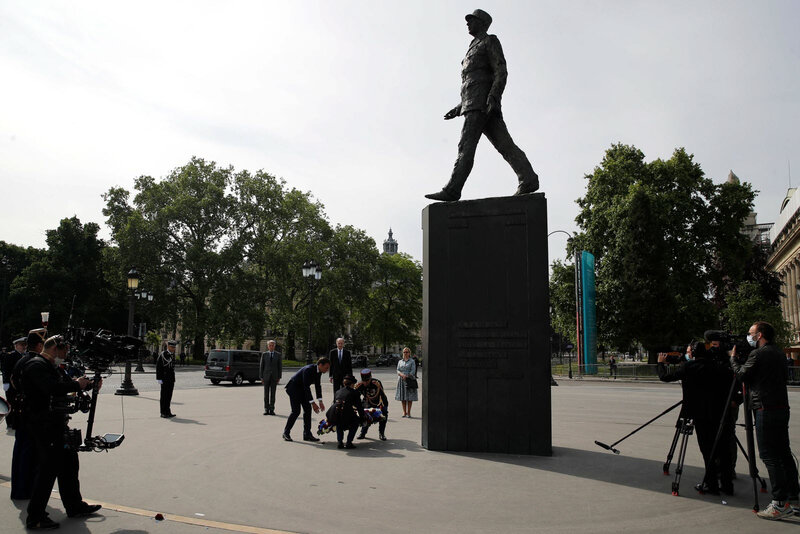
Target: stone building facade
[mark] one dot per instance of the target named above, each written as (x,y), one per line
(785,258)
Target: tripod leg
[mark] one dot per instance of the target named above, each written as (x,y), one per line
(761,480)
(748,432)
(672,448)
(615,451)
(686,431)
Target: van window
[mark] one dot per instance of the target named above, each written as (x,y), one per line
(218,356)
(249,357)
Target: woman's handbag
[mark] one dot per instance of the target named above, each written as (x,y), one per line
(411,383)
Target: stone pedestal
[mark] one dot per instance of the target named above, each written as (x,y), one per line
(486,385)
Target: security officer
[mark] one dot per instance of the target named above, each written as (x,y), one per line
(373,395)
(9,361)
(43,383)
(165,375)
(23,459)
(705,383)
(718,346)
(483,75)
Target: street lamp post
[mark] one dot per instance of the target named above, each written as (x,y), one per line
(127,388)
(311,272)
(147,297)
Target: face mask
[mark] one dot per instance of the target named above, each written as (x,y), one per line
(58,361)
(751,341)
(687,356)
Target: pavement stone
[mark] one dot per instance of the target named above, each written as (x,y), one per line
(221,466)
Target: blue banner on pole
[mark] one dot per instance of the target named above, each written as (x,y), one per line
(589,313)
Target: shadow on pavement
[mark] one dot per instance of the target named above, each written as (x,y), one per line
(185,421)
(637,473)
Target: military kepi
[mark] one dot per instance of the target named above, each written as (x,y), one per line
(480,14)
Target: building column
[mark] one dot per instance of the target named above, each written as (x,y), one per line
(784,298)
(791,294)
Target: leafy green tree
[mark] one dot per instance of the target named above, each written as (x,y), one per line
(69,278)
(224,250)
(667,245)
(393,313)
(747,305)
(562,300)
(183,234)
(15,313)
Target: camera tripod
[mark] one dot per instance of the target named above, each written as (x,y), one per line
(748,430)
(684,427)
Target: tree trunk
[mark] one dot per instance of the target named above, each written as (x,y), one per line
(289,351)
(198,350)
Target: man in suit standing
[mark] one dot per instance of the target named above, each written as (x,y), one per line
(165,376)
(299,390)
(270,370)
(341,364)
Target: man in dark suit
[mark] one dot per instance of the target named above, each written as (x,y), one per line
(299,390)
(341,364)
(270,370)
(165,376)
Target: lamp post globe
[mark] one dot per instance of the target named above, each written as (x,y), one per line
(312,272)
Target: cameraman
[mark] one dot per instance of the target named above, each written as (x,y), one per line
(719,345)
(705,383)
(45,384)
(764,371)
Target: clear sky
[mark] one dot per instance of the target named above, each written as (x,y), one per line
(345,99)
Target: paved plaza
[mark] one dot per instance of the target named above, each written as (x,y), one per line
(221,466)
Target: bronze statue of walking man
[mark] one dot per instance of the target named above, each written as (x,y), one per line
(483,78)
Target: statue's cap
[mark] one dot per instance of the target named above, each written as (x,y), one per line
(480,14)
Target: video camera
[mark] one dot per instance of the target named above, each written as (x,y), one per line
(95,351)
(70,404)
(98,350)
(728,341)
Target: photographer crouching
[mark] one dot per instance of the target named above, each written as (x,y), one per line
(46,387)
(705,383)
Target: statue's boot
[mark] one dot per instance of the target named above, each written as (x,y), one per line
(528,186)
(444,195)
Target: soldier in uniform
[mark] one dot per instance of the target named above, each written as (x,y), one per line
(483,75)
(346,412)
(9,361)
(373,396)
(270,370)
(43,383)
(165,375)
